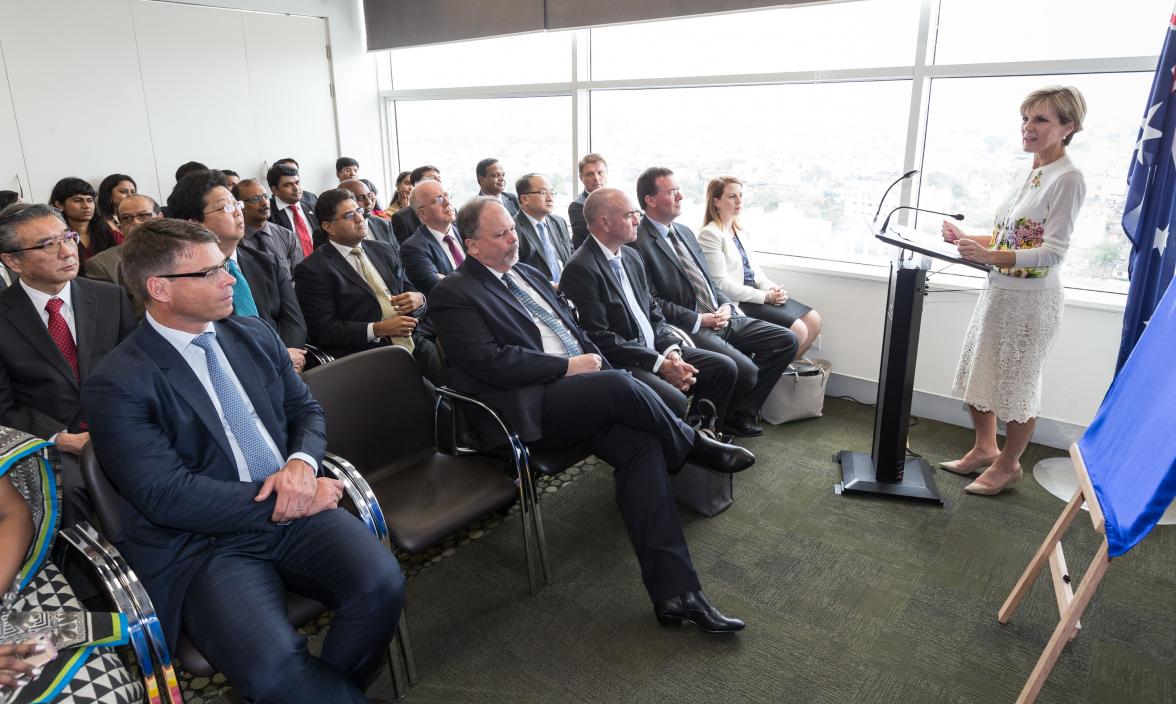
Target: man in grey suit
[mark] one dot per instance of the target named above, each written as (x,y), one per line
(492,183)
(435,249)
(379,229)
(262,234)
(594,175)
(544,242)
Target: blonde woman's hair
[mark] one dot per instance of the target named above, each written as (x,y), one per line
(714,190)
(1066,102)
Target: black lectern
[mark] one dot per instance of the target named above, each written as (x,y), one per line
(887,469)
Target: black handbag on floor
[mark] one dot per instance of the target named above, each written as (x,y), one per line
(698,488)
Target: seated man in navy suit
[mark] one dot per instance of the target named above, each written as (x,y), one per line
(405,221)
(509,340)
(434,250)
(213,443)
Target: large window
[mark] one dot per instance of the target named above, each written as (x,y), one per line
(816,108)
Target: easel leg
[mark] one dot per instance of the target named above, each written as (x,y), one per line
(1041,558)
(1061,634)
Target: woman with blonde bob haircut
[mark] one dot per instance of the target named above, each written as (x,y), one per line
(1020,310)
(733,269)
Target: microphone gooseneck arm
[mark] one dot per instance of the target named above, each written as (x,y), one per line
(898,180)
(886,222)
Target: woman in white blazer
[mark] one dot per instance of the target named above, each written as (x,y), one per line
(733,269)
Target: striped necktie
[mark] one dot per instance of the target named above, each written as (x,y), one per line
(544,316)
(549,252)
(702,290)
(380,291)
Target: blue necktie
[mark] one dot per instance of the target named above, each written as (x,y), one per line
(549,319)
(639,315)
(242,296)
(259,458)
(549,252)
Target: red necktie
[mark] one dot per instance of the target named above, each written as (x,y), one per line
(59,331)
(302,230)
(454,250)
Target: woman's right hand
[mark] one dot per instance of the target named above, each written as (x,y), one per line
(14,670)
(776,296)
(951,233)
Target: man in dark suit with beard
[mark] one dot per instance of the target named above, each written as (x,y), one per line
(509,340)
(606,281)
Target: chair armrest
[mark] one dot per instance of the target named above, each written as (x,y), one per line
(360,493)
(318,356)
(122,599)
(682,335)
(518,449)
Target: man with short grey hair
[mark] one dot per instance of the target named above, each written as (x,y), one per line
(54,329)
(434,250)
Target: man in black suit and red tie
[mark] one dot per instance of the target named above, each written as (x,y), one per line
(287,206)
(54,329)
(509,340)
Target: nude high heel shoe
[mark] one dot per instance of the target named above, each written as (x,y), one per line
(985,490)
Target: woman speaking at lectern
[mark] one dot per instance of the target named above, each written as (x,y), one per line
(1018,314)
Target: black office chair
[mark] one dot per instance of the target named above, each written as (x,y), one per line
(301,610)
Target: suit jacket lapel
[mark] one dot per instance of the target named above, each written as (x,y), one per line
(532,236)
(561,240)
(184,381)
(344,268)
(384,268)
(85,319)
(440,256)
(27,321)
(496,287)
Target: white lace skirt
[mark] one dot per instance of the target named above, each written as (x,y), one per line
(1004,351)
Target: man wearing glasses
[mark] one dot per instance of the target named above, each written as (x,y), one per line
(260,233)
(353,289)
(54,329)
(261,288)
(435,249)
(106,265)
(544,242)
(213,443)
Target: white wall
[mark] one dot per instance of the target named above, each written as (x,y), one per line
(1078,371)
(139,86)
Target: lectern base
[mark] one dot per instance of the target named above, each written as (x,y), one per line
(858,476)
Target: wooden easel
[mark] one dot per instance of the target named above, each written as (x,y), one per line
(1070,605)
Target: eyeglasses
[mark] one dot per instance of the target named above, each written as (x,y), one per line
(543,192)
(351,215)
(228,207)
(208,274)
(52,246)
(135,217)
(633,214)
(439,200)
(252,200)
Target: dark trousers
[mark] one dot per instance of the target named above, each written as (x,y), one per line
(625,424)
(761,352)
(716,382)
(234,610)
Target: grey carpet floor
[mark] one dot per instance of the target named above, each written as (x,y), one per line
(847,599)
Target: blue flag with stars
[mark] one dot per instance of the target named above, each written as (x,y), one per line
(1151,194)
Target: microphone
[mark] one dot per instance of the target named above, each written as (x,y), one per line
(955,216)
(904,177)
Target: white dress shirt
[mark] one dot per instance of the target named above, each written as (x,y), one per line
(440,237)
(353,260)
(628,291)
(195,358)
(40,299)
(6,275)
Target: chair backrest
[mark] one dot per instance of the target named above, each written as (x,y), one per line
(378,407)
(104,498)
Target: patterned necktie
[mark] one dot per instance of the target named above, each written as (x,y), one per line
(259,458)
(302,229)
(59,331)
(748,274)
(549,319)
(243,303)
(702,291)
(380,290)
(549,253)
(454,251)
(639,315)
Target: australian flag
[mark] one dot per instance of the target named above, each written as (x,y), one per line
(1151,194)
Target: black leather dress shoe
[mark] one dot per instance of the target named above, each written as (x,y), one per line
(718,456)
(743,426)
(695,608)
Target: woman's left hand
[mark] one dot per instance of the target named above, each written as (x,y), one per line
(777,296)
(973,251)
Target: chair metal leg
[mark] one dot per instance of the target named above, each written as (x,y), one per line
(536,516)
(406,648)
